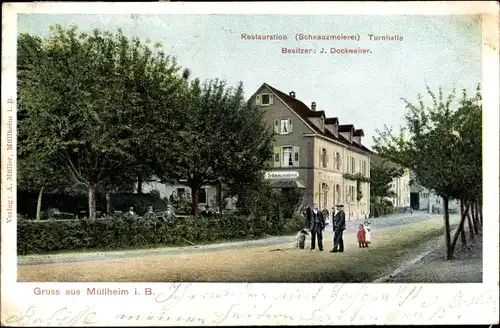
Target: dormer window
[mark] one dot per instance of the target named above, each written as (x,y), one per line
(264,99)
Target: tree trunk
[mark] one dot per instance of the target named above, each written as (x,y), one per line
(460,227)
(480,209)
(139,184)
(474,218)
(195,190)
(92,201)
(463,238)
(39,204)
(471,227)
(449,250)
(108,203)
(219,196)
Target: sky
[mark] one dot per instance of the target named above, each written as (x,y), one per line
(360,89)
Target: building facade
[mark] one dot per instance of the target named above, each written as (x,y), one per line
(314,152)
(401,188)
(207,196)
(424,199)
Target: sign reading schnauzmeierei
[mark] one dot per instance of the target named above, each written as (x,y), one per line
(285,175)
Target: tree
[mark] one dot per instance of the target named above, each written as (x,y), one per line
(381,176)
(219,136)
(36,171)
(92,102)
(442,145)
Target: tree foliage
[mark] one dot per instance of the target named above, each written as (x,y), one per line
(91,103)
(441,144)
(219,136)
(381,176)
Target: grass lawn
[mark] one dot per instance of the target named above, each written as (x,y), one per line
(258,264)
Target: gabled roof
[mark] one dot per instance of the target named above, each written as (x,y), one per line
(332,120)
(359,133)
(317,113)
(346,127)
(305,113)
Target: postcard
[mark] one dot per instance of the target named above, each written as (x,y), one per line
(253,163)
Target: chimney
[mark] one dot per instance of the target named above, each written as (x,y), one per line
(292,94)
(313,106)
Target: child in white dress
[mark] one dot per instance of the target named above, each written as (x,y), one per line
(368,233)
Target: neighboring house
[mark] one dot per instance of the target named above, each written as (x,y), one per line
(424,199)
(399,186)
(313,152)
(206,196)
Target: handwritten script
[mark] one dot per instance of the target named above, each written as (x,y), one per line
(176,304)
(61,317)
(310,304)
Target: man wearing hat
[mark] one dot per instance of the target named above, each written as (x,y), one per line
(338,229)
(315,222)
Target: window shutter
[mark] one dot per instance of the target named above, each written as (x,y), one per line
(290,126)
(277,156)
(258,100)
(296,156)
(276,126)
(271,99)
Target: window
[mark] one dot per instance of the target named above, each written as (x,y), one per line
(337,161)
(202,196)
(264,99)
(353,165)
(351,193)
(324,158)
(287,156)
(283,126)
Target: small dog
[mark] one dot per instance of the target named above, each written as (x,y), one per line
(301,239)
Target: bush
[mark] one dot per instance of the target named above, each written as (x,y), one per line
(122,232)
(382,208)
(274,203)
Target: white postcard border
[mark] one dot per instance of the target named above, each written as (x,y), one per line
(331,303)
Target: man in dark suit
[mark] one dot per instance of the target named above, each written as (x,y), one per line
(315,222)
(338,229)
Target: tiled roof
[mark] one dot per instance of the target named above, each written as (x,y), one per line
(332,120)
(346,127)
(304,112)
(359,133)
(318,113)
